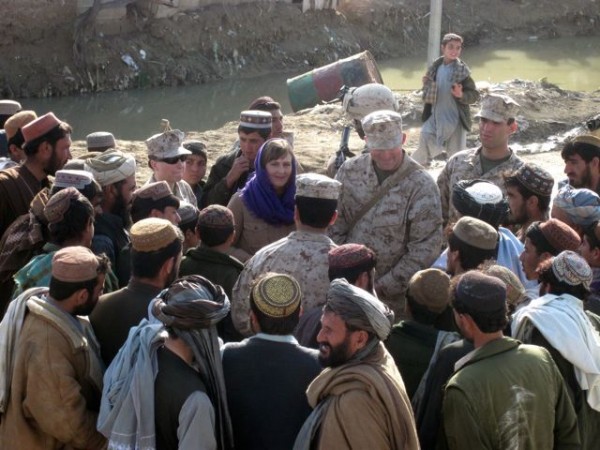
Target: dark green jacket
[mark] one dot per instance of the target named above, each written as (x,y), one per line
(220,269)
(508,395)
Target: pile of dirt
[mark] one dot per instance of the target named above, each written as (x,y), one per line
(545,111)
(43,56)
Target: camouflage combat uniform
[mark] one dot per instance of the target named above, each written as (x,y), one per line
(302,255)
(466,165)
(404,228)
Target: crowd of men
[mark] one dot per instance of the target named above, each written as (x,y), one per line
(402,312)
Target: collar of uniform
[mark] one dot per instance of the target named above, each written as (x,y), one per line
(287,338)
(309,236)
(490,349)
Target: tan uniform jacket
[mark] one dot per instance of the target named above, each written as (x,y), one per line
(466,165)
(404,228)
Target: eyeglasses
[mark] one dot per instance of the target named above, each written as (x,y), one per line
(174,159)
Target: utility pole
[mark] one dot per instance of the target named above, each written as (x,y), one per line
(435,31)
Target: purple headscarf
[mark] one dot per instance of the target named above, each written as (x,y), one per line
(260,197)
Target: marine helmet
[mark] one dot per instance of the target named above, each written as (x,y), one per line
(362,100)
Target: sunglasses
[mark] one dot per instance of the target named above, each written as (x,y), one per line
(174,159)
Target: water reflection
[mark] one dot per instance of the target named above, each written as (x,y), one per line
(572,63)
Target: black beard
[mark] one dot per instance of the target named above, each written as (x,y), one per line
(121,209)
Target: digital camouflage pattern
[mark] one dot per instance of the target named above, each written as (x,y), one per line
(303,255)
(466,165)
(404,228)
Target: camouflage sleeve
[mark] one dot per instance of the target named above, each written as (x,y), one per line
(443,183)
(339,230)
(240,302)
(423,243)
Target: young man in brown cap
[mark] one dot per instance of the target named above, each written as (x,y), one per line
(57,372)
(557,322)
(47,149)
(211,258)
(155,256)
(505,392)
(7,109)
(497,122)
(544,240)
(528,191)
(231,171)
(376,186)
(266,376)
(155,200)
(415,342)
(470,243)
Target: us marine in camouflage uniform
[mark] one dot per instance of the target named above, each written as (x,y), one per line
(303,254)
(403,227)
(488,162)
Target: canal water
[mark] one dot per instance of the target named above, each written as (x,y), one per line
(571,63)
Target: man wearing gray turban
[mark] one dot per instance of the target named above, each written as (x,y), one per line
(177,359)
(359,401)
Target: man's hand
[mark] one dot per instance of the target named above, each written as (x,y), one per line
(240,166)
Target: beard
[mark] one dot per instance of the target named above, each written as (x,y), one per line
(121,209)
(53,165)
(87,308)
(337,356)
(517,217)
(586,179)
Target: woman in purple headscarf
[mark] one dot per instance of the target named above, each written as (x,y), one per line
(264,208)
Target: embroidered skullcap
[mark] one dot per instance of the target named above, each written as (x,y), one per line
(216,216)
(78,179)
(60,203)
(515,291)
(39,127)
(152,234)
(535,179)
(476,233)
(383,130)
(9,107)
(359,309)
(582,206)
(100,139)
(191,302)
(153,191)
(498,108)
(74,264)
(111,167)
(350,256)
(315,185)
(430,288)
(480,199)
(18,121)
(166,145)
(276,295)
(187,212)
(560,235)
(256,119)
(480,292)
(589,139)
(573,269)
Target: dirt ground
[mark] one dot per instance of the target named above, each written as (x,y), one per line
(548,115)
(45,54)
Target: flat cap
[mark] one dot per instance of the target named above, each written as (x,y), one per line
(216,216)
(317,186)
(430,288)
(570,268)
(9,107)
(476,233)
(18,121)
(256,119)
(100,139)
(78,179)
(560,235)
(350,255)
(480,292)
(187,212)
(152,234)
(536,179)
(39,127)
(74,264)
